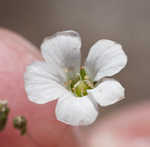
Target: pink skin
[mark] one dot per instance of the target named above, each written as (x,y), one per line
(128,127)
(43,128)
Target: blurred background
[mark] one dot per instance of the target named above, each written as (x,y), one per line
(125,21)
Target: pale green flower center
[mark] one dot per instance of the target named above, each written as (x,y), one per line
(80,83)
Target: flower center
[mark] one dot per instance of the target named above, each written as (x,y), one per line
(80,83)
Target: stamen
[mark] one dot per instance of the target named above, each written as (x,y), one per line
(90,84)
(80,83)
(86,77)
(66,69)
(66,84)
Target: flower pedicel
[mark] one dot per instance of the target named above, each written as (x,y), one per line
(79,89)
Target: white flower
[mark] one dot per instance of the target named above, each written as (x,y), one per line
(78,90)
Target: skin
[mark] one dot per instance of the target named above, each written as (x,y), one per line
(127,127)
(43,128)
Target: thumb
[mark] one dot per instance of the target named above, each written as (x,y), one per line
(15,54)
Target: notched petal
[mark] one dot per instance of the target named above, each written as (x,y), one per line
(76,111)
(41,85)
(108,92)
(106,58)
(70,33)
(62,51)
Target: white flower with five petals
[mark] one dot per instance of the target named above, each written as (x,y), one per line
(79,90)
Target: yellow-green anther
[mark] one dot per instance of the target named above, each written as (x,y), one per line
(89,83)
(80,88)
(82,73)
(74,81)
(20,123)
(4,111)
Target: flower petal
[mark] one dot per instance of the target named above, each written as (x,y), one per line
(106,58)
(108,92)
(62,52)
(76,111)
(41,85)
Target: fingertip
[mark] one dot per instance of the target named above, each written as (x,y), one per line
(127,127)
(12,39)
